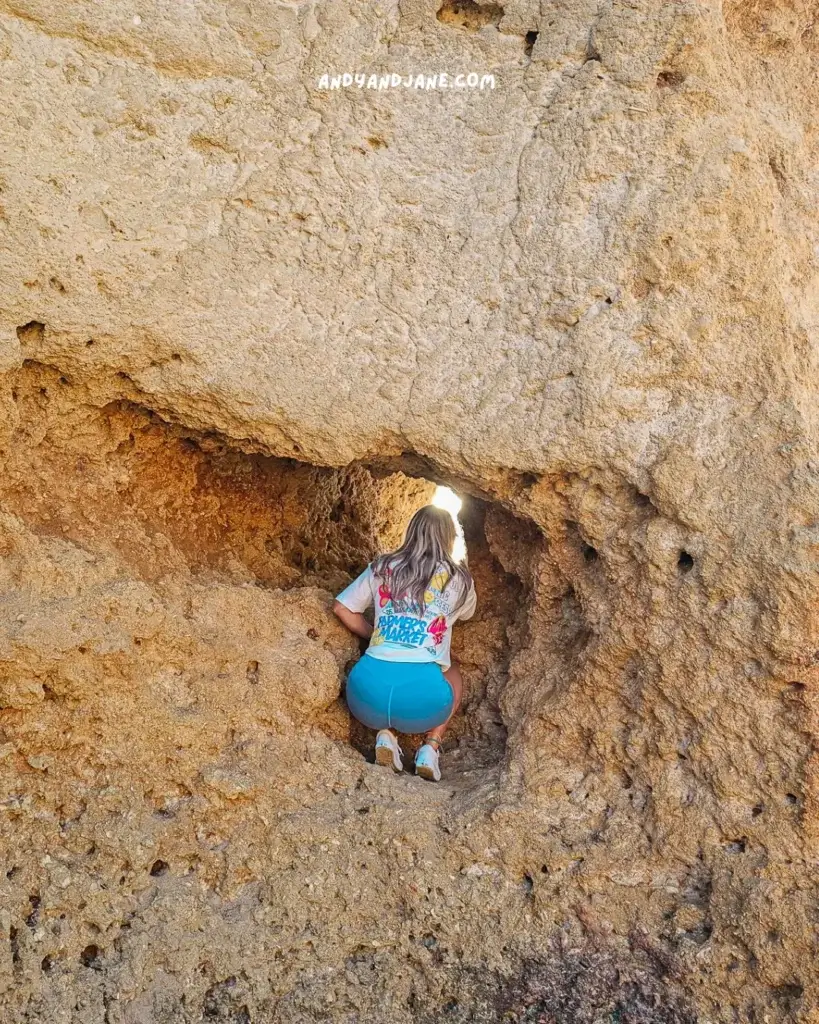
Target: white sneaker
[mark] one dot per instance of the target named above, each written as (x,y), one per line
(427,763)
(387,751)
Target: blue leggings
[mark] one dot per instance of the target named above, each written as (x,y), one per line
(405,695)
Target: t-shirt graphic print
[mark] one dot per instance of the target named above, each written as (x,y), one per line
(402,635)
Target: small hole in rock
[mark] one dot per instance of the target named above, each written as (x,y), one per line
(31,333)
(529,43)
(34,900)
(528,884)
(685,563)
(252,672)
(468,15)
(789,993)
(590,553)
(757,809)
(90,957)
(796,687)
(47,964)
(791,798)
(670,79)
(312,633)
(159,867)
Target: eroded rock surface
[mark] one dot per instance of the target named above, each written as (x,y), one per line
(244,324)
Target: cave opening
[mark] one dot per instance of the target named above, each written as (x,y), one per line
(484,645)
(164,500)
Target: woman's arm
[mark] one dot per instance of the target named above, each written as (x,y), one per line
(354,621)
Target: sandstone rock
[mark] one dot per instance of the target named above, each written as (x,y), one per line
(230,784)
(40,761)
(244,325)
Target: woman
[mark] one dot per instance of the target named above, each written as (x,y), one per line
(406,681)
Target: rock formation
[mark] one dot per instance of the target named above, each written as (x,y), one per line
(246,323)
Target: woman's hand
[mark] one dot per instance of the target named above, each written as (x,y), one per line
(354,621)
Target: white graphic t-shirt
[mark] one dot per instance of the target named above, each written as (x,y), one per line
(401,635)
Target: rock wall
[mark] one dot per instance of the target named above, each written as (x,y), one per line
(244,322)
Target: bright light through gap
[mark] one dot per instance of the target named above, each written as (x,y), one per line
(447,499)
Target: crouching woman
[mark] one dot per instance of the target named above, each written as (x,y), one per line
(406,682)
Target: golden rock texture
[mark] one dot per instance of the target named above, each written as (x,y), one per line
(245,324)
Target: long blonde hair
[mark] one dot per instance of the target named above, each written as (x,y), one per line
(427,547)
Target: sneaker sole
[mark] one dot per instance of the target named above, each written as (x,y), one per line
(426,772)
(383,756)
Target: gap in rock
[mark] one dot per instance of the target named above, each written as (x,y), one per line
(164,500)
(484,645)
